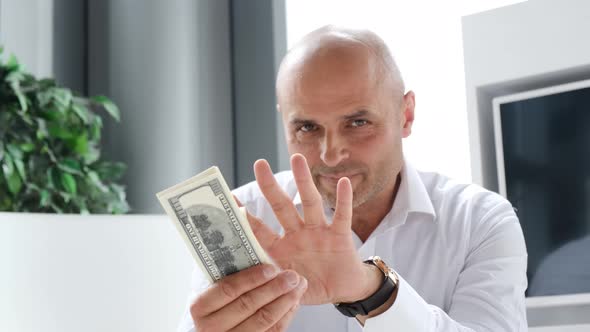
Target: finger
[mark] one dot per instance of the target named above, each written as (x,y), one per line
(311,200)
(342,221)
(264,234)
(237,200)
(230,288)
(284,322)
(280,202)
(247,304)
(269,315)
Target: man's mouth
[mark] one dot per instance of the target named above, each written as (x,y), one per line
(333,178)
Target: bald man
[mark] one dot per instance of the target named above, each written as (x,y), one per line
(451,256)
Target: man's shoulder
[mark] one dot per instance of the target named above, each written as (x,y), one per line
(450,197)
(250,192)
(470,211)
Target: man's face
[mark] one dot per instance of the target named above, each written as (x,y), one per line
(346,121)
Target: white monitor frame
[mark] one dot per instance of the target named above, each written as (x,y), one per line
(498,101)
(558,303)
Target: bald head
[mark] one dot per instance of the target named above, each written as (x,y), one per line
(334,50)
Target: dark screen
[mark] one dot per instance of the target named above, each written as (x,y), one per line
(546,143)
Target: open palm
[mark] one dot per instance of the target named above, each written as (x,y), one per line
(324,254)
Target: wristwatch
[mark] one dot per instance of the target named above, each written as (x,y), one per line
(363,307)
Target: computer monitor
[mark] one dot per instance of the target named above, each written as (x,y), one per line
(542,140)
(543,158)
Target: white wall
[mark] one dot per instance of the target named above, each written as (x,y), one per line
(425,38)
(62,273)
(511,49)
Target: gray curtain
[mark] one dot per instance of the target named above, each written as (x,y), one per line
(194,80)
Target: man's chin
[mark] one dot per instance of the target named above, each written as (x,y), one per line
(329,199)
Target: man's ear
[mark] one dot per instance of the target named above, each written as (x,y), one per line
(408,105)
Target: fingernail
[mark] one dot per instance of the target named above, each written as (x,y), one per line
(303,283)
(292,278)
(270,271)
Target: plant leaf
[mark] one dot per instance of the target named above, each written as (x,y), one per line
(49,147)
(20,167)
(62,96)
(95,128)
(27,147)
(12,63)
(13,180)
(81,144)
(91,155)
(81,203)
(118,205)
(56,208)
(42,131)
(108,105)
(81,111)
(44,98)
(65,196)
(14,77)
(45,197)
(70,165)
(111,171)
(69,183)
(52,178)
(58,131)
(33,187)
(45,83)
(26,118)
(50,114)
(19,95)
(95,180)
(14,151)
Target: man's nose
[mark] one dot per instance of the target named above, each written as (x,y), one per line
(334,150)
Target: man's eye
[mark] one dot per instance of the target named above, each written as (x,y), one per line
(358,123)
(308,127)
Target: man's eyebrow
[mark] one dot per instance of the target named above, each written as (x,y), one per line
(298,121)
(355,115)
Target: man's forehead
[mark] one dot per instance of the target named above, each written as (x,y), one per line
(296,117)
(334,85)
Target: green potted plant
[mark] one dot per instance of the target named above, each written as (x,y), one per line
(49,148)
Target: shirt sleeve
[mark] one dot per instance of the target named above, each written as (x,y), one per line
(489,295)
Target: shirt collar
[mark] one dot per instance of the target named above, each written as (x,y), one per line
(412,197)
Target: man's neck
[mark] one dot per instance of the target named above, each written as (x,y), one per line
(366,217)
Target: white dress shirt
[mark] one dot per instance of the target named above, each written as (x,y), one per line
(457,248)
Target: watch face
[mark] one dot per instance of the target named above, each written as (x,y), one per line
(379,263)
(376,300)
(387,271)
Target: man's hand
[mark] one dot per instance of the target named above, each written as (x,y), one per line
(324,254)
(256,299)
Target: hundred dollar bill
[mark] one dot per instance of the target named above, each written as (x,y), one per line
(209,221)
